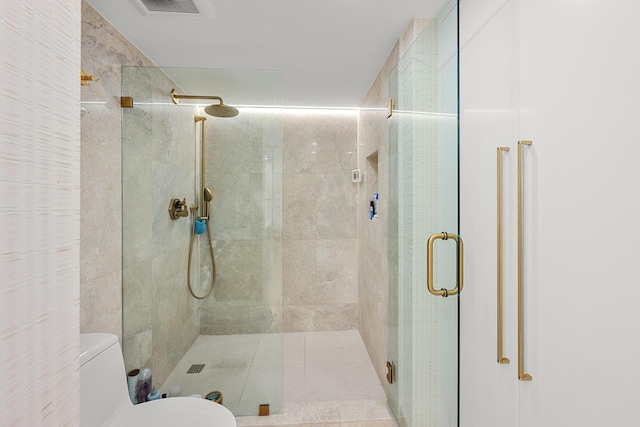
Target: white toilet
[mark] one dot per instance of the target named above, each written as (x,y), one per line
(104,397)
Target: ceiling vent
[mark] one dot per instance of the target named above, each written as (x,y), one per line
(176,6)
(180,8)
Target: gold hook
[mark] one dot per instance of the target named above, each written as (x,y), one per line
(85,78)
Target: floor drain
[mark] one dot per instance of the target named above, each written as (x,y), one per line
(195,369)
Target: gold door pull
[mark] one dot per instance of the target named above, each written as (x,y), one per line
(458,288)
(501,358)
(522,376)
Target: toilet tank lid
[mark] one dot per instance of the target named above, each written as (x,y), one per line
(93,344)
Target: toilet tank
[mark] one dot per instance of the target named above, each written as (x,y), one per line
(103,382)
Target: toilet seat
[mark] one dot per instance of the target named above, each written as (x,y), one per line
(175,411)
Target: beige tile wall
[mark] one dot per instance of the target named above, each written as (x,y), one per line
(373,275)
(160,317)
(319,221)
(167,320)
(104,51)
(374,236)
(244,172)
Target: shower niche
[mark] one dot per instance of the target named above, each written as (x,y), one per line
(164,327)
(371,185)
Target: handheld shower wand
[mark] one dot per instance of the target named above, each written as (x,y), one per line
(207,195)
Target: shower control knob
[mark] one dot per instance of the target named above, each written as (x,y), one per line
(178,208)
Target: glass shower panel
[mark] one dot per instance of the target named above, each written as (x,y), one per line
(423,152)
(236,332)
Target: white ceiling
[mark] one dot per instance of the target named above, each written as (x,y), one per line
(328,51)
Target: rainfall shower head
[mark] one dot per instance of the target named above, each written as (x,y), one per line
(221,110)
(216,110)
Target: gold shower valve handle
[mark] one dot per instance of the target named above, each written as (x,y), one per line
(178,208)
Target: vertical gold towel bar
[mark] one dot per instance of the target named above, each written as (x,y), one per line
(501,358)
(521,374)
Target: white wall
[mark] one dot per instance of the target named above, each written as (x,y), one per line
(40,213)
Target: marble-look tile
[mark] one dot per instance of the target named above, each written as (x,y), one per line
(253,421)
(103,50)
(259,200)
(273,142)
(235,145)
(313,393)
(272,261)
(333,317)
(334,347)
(270,352)
(410,34)
(277,319)
(369,409)
(337,271)
(295,384)
(319,203)
(137,198)
(335,382)
(164,148)
(169,182)
(239,268)
(231,351)
(373,135)
(228,380)
(196,353)
(231,208)
(313,412)
(336,149)
(299,318)
(294,348)
(100,238)
(175,321)
(137,298)
(263,386)
(300,276)
(336,206)
(235,318)
(99,295)
(137,350)
(300,142)
(300,206)
(371,423)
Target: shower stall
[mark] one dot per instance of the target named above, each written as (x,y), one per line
(233,337)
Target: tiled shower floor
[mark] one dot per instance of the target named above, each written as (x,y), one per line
(328,378)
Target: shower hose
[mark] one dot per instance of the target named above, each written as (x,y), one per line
(213,260)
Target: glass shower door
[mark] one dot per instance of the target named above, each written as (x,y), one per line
(423,242)
(232,340)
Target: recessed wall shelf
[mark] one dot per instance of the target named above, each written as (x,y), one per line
(371,185)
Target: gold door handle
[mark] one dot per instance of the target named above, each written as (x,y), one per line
(522,376)
(445,236)
(501,358)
